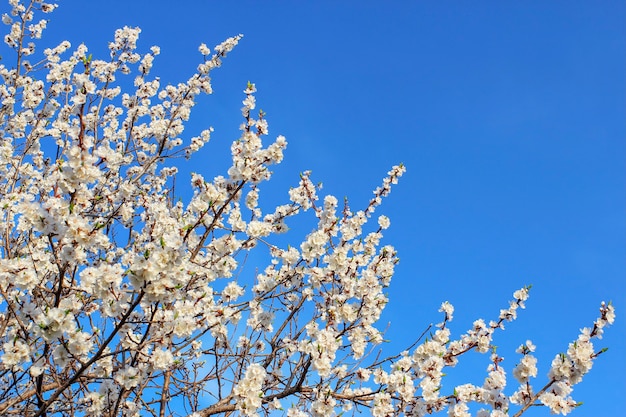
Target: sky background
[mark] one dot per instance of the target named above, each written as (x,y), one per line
(509,117)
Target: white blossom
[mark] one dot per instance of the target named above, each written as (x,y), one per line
(249,390)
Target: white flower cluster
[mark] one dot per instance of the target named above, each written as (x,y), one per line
(248,392)
(569,368)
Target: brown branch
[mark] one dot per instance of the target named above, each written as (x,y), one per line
(217,216)
(531,402)
(4,407)
(93,359)
(164,393)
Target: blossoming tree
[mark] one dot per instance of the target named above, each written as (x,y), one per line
(119,299)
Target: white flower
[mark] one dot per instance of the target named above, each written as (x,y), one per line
(54,323)
(249,390)
(525,369)
(383,406)
(162,358)
(276,404)
(232,292)
(128,377)
(79,343)
(258,229)
(324,404)
(37,368)
(204,50)
(448,309)
(15,352)
(383,222)
(459,410)
(294,412)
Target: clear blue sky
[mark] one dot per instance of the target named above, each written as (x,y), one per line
(508,115)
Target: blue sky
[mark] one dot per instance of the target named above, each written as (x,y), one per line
(508,115)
